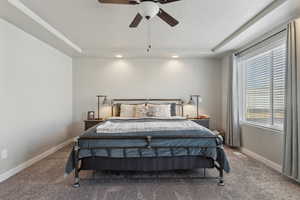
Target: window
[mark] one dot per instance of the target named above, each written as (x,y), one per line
(262,83)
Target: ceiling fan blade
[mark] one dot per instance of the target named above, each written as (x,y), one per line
(167,1)
(167,18)
(119,1)
(136,21)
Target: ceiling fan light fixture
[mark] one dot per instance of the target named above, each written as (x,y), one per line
(148,9)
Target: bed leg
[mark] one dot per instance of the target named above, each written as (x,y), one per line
(221,177)
(76,184)
(76,162)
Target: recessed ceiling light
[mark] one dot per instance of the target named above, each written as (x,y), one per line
(119,56)
(175,56)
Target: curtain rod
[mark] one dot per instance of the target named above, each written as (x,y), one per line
(257,43)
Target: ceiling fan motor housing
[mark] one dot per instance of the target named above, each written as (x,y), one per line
(148,9)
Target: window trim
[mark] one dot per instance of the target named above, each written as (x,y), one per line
(262,126)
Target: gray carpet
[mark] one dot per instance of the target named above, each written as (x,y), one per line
(249,179)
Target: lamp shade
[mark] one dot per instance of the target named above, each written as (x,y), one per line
(191,101)
(105,101)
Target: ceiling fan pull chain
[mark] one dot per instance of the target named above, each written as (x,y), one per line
(149,36)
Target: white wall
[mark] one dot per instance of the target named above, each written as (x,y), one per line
(264,142)
(146,78)
(35,96)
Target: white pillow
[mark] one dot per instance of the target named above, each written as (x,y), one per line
(127,110)
(141,111)
(159,110)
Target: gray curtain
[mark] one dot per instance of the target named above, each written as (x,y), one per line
(291,155)
(233,135)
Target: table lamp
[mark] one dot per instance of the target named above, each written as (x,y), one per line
(199,100)
(104,102)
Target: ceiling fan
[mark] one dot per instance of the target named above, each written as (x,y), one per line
(148,9)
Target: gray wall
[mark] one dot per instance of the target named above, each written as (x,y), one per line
(262,141)
(147,78)
(265,142)
(35,95)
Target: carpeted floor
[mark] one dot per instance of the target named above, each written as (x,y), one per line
(249,179)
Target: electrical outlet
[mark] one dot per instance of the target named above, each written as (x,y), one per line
(4,154)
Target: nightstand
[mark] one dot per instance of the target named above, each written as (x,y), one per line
(202,122)
(90,123)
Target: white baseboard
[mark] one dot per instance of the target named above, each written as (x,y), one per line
(30,162)
(262,159)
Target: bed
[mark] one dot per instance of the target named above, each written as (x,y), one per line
(147,144)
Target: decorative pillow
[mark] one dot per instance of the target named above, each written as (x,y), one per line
(141,111)
(127,110)
(163,110)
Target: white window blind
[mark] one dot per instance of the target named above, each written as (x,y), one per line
(262,80)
